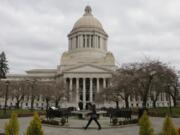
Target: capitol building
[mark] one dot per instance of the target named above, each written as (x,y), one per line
(87,66)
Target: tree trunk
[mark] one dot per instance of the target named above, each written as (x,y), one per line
(117,104)
(154,103)
(17,104)
(47,104)
(32,103)
(56,103)
(144,102)
(174,101)
(126,102)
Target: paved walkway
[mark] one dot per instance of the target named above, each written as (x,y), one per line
(75,127)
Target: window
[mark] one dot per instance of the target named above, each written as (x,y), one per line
(84,41)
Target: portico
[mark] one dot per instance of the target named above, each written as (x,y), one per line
(84,86)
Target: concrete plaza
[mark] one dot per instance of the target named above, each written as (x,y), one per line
(75,127)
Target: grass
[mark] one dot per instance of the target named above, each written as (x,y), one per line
(20,112)
(166,110)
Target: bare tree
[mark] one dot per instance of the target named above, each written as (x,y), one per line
(144,75)
(173,85)
(108,94)
(46,90)
(122,85)
(59,91)
(158,87)
(32,91)
(124,82)
(146,79)
(18,90)
(2,88)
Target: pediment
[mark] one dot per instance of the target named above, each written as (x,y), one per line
(88,69)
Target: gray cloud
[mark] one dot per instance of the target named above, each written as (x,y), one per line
(34,33)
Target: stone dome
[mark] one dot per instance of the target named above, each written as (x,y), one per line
(88,22)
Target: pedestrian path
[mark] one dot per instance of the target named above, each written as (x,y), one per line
(75,127)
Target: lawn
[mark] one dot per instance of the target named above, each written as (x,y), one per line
(20,112)
(166,111)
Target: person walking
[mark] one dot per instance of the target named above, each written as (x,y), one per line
(93,116)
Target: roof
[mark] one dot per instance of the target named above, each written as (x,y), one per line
(88,21)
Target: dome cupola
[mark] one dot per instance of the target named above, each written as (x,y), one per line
(88,33)
(88,22)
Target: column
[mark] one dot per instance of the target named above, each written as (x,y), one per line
(89,41)
(81,41)
(72,43)
(65,83)
(91,90)
(105,42)
(70,88)
(85,41)
(78,41)
(69,43)
(94,41)
(77,90)
(84,93)
(97,82)
(104,82)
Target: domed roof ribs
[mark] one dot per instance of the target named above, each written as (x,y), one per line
(88,23)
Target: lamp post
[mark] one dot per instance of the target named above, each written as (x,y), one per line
(6,96)
(170,108)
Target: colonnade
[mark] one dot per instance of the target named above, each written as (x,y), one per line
(87,41)
(84,89)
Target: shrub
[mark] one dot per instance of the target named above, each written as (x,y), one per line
(35,127)
(125,122)
(178,130)
(63,121)
(50,122)
(114,121)
(134,121)
(12,127)
(145,125)
(168,127)
(121,122)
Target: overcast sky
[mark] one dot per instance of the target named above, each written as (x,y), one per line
(33,33)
